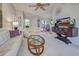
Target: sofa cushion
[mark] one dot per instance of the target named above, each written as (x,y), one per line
(16,43)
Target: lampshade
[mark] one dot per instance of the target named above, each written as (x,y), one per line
(15,23)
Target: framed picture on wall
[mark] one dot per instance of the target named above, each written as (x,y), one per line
(0,15)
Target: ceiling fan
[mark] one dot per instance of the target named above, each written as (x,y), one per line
(40,5)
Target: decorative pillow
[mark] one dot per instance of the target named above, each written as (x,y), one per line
(14,33)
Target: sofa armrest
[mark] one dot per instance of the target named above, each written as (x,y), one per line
(15,47)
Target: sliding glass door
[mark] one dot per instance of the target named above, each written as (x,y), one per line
(45,25)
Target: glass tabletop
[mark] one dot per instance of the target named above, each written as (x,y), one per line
(36,40)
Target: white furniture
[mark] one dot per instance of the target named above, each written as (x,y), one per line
(4,36)
(9,46)
(14,49)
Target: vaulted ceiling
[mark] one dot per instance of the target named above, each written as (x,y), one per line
(30,11)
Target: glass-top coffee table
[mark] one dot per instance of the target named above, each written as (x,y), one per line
(36,44)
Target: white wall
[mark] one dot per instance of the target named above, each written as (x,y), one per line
(70,11)
(8,15)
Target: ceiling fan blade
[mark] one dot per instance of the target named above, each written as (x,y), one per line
(42,8)
(36,8)
(45,4)
(33,6)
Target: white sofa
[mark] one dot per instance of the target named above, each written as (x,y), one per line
(9,46)
(4,36)
(14,49)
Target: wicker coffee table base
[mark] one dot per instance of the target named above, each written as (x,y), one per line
(36,49)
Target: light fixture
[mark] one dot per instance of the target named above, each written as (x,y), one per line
(15,23)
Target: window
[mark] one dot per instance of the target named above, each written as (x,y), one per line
(27,22)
